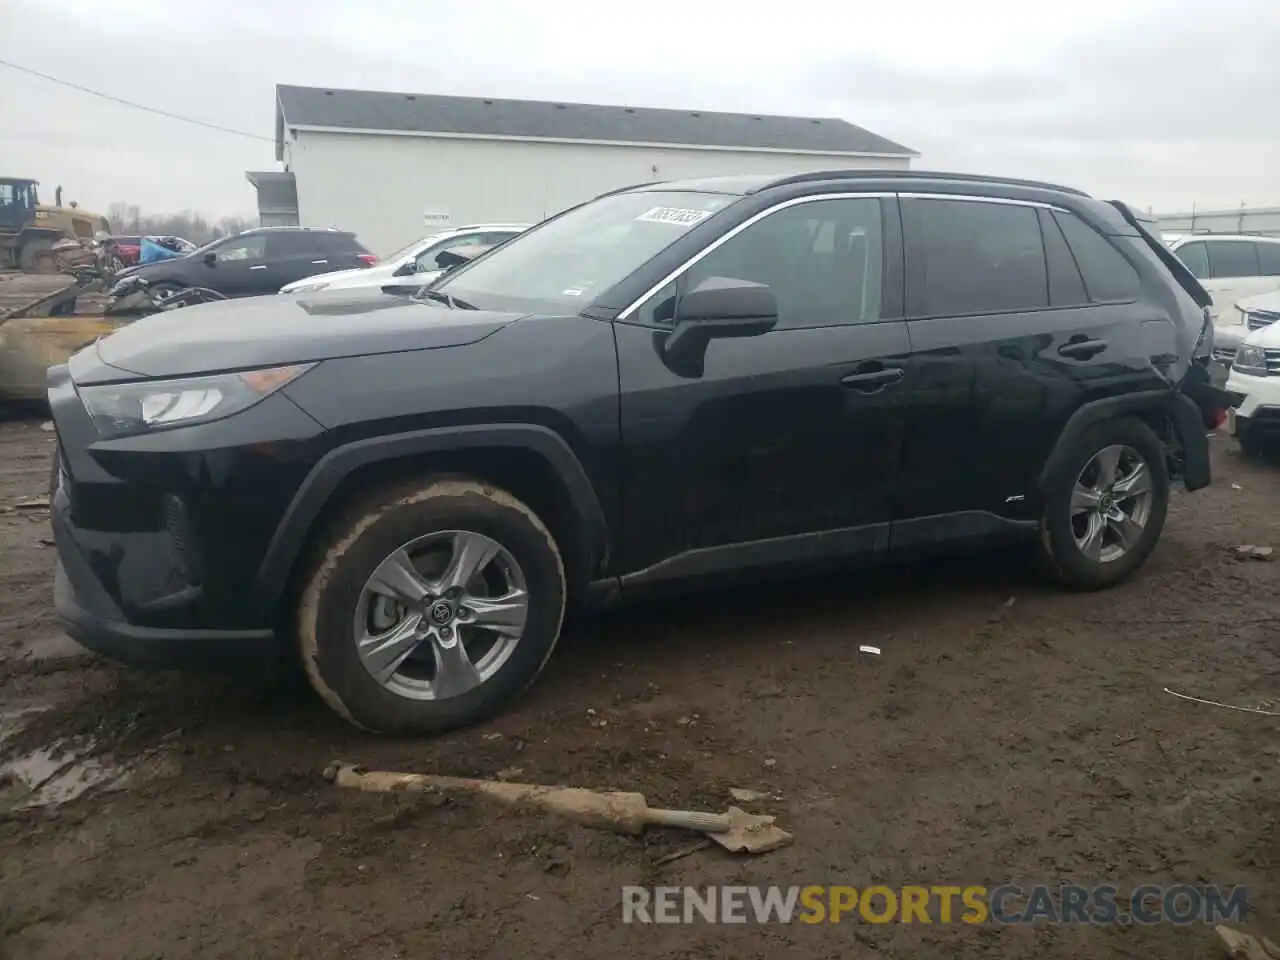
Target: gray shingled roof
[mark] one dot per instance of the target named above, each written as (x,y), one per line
(429,113)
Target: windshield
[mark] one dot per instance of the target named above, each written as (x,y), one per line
(409,248)
(567,262)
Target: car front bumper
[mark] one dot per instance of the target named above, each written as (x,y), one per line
(1259,413)
(160,538)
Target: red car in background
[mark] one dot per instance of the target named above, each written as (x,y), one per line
(121,252)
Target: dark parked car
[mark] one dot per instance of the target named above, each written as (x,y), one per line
(670,382)
(258,261)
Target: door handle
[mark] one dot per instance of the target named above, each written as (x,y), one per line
(260,266)
(1082,349)
(869,381)
(319,261)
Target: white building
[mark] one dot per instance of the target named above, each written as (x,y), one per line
(393,166)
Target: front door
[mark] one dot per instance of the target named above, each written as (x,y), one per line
(1017,315)
(783,447)
(239,267)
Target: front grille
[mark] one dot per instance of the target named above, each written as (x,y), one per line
(1223,355)
(1273,361)
(1257,319)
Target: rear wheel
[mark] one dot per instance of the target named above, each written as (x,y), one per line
(431,606)
(37,257)
(1104,514)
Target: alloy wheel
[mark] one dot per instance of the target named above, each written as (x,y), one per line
(441,615)
(1111,503)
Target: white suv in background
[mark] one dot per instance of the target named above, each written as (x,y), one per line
(1231,267)
(1255,372)
(417,260)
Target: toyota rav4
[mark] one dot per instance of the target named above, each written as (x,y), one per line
(668,383)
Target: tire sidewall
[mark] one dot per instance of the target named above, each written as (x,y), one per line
(328,614)
(1064,557)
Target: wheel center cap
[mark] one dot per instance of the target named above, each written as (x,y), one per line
(440,613)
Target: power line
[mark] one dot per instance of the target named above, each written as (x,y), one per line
(130,103)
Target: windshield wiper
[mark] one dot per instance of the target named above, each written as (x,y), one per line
(453,303)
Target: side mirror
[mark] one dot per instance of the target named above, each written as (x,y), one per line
(406,269)
(718,307)
(210,259)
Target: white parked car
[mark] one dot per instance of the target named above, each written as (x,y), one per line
(1230,266)
(1250,314)
(417,260)
(1255,372)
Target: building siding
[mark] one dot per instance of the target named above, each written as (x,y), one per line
(381,186)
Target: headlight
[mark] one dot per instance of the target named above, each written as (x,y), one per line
(1250,360)
(305,287)
(126,409)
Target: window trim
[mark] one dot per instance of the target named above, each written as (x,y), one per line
(625,315)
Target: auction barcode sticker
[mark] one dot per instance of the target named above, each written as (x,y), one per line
(675,215)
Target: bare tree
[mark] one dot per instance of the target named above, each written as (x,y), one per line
(128,218)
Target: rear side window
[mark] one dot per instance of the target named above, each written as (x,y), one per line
(336,243)
(1108,276)
(1269,259)
(973,257)
(1196,258)
(1232,258)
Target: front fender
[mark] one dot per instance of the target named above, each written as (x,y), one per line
(324,478)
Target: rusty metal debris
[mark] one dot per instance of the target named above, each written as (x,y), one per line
(616,811)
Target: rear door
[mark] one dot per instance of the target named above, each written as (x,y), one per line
(1012,328)
(293,255)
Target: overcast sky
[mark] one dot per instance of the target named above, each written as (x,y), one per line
(1159,102)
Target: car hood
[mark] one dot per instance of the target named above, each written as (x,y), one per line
(355,277)
(1262,303)
(1268,336)
(274,330)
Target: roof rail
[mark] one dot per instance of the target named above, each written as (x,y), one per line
(632,186)
(865,174)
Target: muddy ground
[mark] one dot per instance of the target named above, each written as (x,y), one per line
(988,743)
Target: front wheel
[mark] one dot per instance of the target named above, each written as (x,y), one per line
(1105,512)
(431,606)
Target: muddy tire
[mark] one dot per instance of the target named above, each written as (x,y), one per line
(431,606)
(37,257)
(1104,513)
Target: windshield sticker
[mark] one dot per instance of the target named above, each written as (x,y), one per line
(674,215)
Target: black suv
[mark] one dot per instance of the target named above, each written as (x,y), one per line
(257,262)
(669,382)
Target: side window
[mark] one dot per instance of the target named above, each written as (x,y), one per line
(243,248)
(823,260)
(1269,259)
(975,257)
(286,243)
(495,237)
(330,243)
(426,260)
(1066,287)
(1232,258)
(1196,259)
(1108,276)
